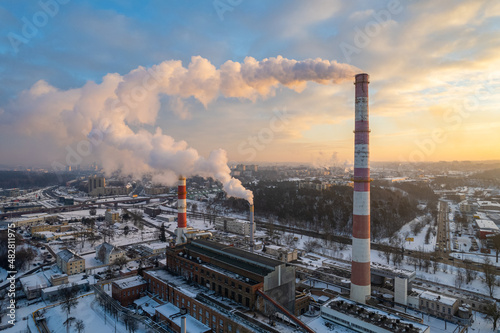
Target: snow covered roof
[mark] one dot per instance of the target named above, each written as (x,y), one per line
(66,285)
(446,300)
(155,246)
(488,205)
(179,282)
(34,281)
(486,224)
(68,255)
(192,325)
(130,282)
(107,248)
(337,303)
(35,215)
(147,304)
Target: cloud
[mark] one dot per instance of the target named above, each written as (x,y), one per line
(428,56)
(111,114)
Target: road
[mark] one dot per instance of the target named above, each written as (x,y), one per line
(442,243)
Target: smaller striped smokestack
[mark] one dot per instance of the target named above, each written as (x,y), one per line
(252,228)
(181,211)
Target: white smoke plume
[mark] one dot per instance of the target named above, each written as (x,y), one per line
(110,114)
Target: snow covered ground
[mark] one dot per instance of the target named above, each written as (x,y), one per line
(418,242)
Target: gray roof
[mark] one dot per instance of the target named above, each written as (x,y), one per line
(108,249)
(68,255)
(235,257)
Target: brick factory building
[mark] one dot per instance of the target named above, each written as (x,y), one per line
(234,273)
(217,287)
(127,290)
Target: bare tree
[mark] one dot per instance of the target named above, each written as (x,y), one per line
(470,274)
(24,256)
(310,245)
(69,301)
(120,262)
(289,240)
(397,258)
(162,235)
(490,277)
(492,314)
(387,252)
(496,245)
(68,322)
(132,325)
(426,264)
(435,266)
(270,229)
(459,279)
(80,326)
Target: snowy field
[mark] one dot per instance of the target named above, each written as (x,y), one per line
(418,242)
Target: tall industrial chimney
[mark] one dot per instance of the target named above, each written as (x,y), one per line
(252,228)
(181,211)
(360,271)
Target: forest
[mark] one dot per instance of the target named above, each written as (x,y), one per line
(330,210)
(25,179)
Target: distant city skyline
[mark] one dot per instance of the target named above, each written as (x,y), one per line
(434,90)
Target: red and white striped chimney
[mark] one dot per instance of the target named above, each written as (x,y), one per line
(181,211)
(360,271)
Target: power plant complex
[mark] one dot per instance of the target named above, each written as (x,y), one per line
(216,287)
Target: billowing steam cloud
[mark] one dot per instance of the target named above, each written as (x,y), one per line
(110,114)
(326,161)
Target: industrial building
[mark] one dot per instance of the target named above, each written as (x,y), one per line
(97,187)
(165,218)
(155,248)
(28,220)
(488,206)
(156,190)
(233,273)
(61,227)
(485,225)
(281,253)
(234,226)
(33,284)
(127,290)
(438,305)
(314,185)
(152,211)
(95,183)
(178,319)
(364,318)
(203,305)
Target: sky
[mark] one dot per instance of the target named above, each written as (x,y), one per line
(246,76)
